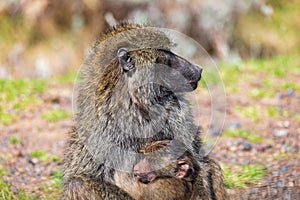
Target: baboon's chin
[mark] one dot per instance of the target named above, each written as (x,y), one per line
(188,87)
(194,85)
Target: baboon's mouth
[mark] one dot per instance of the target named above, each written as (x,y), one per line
(194,84)
(196,77)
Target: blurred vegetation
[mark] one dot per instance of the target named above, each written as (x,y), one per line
(17,95)
(52,190)
(241,176)
(250,136)
(43,156)
(55,115)
(39,41)
(16,140)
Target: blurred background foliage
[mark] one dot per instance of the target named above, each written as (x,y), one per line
(41,38)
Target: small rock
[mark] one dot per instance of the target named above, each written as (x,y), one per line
(246,146)
(34,180)
(245,162)
(35,160)
(18,153)
(275,173)
(29,160)
(260,148)
(290,184)
(36,174)
(61,142)
(233,125)
(215,131)
(286,124)
(281,132)
(233,148)
(280,184)
(13,170)
(278,96)
(32,161)
(290,91)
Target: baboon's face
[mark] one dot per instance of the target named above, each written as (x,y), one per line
(160,68)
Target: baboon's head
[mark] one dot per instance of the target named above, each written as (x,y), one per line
(157,70)
(134,63)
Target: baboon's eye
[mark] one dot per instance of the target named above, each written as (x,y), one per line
(126,60)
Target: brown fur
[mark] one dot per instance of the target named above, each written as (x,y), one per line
(205,182)
(122,108)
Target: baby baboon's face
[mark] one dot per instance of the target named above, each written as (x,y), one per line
(160,69)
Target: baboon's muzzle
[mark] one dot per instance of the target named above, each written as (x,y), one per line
(184,75)
(195,78)
(190,73)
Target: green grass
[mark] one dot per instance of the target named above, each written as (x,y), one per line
(22,195)
(291,85)
(16,95)
(55,115)
(55,159)
(270,69)
(258,93)
(280,155)
(12,89)
(279,66)
(297,117)
(241,176)
(5,191)
(252,112)
(5,117)
(250,136)
(6,156)
(7,194)
(15,140)
(231,72)
(38,154)
(53,190)
(43,156)
(67,78)
(272,111)
(2,171)
(257,112)
(57,176)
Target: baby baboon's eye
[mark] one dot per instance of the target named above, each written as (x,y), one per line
(126,60)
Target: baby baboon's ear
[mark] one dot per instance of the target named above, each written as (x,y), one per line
(126,60)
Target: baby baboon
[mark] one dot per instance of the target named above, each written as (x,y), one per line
(131,93)
(164,173)
(165,159)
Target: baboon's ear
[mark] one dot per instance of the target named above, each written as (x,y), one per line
(126,60)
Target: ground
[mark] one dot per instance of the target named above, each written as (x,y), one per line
(258,149)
